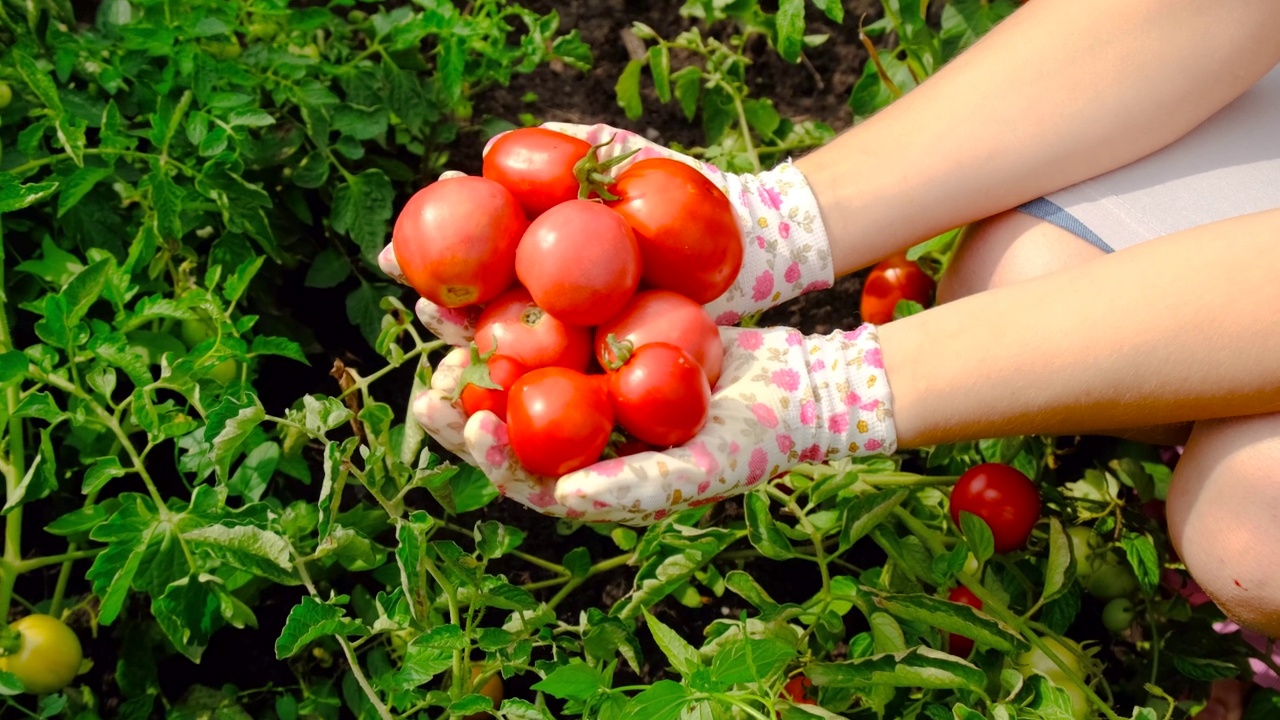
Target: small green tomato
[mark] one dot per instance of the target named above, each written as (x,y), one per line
(1118,615)
(6,95)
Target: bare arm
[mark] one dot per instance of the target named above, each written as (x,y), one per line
(1180,328)
(1062,91)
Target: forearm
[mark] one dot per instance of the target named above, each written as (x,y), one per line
(1180,328)
(1062,91)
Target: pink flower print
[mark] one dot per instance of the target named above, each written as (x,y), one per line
(750,340)
(646,153)
(703,487)
(658,515)
(705,501)
(786,378)
(744,196)
(873,445)
(784,229)
(496,455)
(793,272)
(765,415)
(763,286)
(610,468)
(734,448)
(815,286)
(852,335)
(543,498)
(760,241)
(794,338)
(837,424)
(874,358)
(770,197)
(808,412)
(785,443)
(818,365)
(703,458)
(812,453)
(728,317)
(757,466)
(454,316)
(853,399)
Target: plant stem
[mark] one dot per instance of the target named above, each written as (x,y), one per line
(455,615)
(17,461)
(70,555)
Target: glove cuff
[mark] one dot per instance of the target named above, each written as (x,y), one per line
(786,250)
(851,411)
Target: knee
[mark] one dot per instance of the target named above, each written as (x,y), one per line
(1223,507)
(1008,248)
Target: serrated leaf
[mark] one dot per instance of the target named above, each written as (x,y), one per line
(75,187)
(790,29)
(688,89)
(575,681)
(664,700)
(978,535)
(250,117)
(310,620)
(627,90)
(920,667)
(327,270)
(865,512)
(494,539)
(188,613)
(362,208)
(252,549)
(102,471)
(229,424)
(38,80)
(682,656)
(284,347)
(751,659)
(1143,558)
(763,531)
(39,405)
(953,617)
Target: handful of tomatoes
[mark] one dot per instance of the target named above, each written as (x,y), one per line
(592,290)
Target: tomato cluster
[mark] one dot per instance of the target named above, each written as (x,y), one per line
(592,291)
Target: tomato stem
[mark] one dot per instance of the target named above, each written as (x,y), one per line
(620,351)
(593,174)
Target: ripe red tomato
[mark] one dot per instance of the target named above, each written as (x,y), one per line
(558,420)
(797,690)
(891,280)
(514,325)
(455,240)
(689,240)
(959,644)
(660,395)
(580,262)
(537,166)
(665,316)
(486,387)
(1003,497)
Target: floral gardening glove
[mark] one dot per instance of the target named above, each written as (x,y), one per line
(783,399)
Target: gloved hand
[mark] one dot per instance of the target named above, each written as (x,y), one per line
(783,399)
(786,251)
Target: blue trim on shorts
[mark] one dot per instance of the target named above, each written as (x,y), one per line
(1050,211)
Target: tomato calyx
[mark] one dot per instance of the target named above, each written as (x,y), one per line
(593,173)
(10,641)
(619,352)
(477,372)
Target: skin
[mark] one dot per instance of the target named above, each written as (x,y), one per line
(1135,346)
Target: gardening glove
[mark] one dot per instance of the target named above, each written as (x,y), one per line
(786,251)
(783,399)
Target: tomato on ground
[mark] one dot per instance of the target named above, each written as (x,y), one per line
(959,644)
(513,325)
(487,384)
(689,239)
(537,166)
(665,316)
(1003,497)
(660,394)
(48,655)
(580,262)
(558,420)
(893,279)
(455,240)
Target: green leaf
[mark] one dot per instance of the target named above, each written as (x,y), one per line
(763,532)
(265,345)
(39,81)
(494,539)
(253,475)
(865,512)
(188,613)
(688,86)
(102,471)
(1143,557)
(1060,571)
(312,172)
(84,289)
(978,534)
(128,532)
(919,667)
(683,656)
(833,8)
(229,424)
(252,549)
(310,620)
(664,700)
(751,660)
(790,24)
(54,265)
(39,405)
(952,617)
(13,366)
(166,198)
(40,479)
(75,187)
(575,681)
(362,208)
(627,90)
(361,123)
(250,117)
(762,116)
(328,269)
(10,684)
(660,68)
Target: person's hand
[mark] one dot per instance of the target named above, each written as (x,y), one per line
(783,399)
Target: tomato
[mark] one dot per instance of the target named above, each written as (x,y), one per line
(660,395)
(580,262)
(515,326)
(1102,572)
(689,239)
(6,95)
(491,689)
(537,166)
(959,644)
(665,316)
(893,279)
(558,420)
(48,657)
(1118,615)
(456,240)
(797,690)
(1035,662)
(475,392)
(1003,497)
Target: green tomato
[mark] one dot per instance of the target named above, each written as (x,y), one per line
(6,95)
(263,29)
(49,655)
(1118,615)
(225,372)
(194,332)
(1036,662)
(1111,578)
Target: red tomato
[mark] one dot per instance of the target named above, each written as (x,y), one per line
(580,262)
(797,690)
(1003,497)
(959,644)
(689,240)
(891,280)
(660,395)
(456,240)
(558,420)
(537,166)
(477,392)
(514,325)
(665,316)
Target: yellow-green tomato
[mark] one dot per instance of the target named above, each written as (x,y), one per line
(194,332)
(1036,662)
(6,95)
(1117,616)
(225,372)
(48,657)
(1111,577)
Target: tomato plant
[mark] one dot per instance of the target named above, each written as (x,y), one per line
(456,240)
(1003,497)
(660,394)
(689,240)
(537,166)
(486,383)
(558,420)
(665,316)
(491,688)
(1102,571)
(891,281)
(1037,662)
(46,655)
(580,262)
(959,644)
(515,326)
